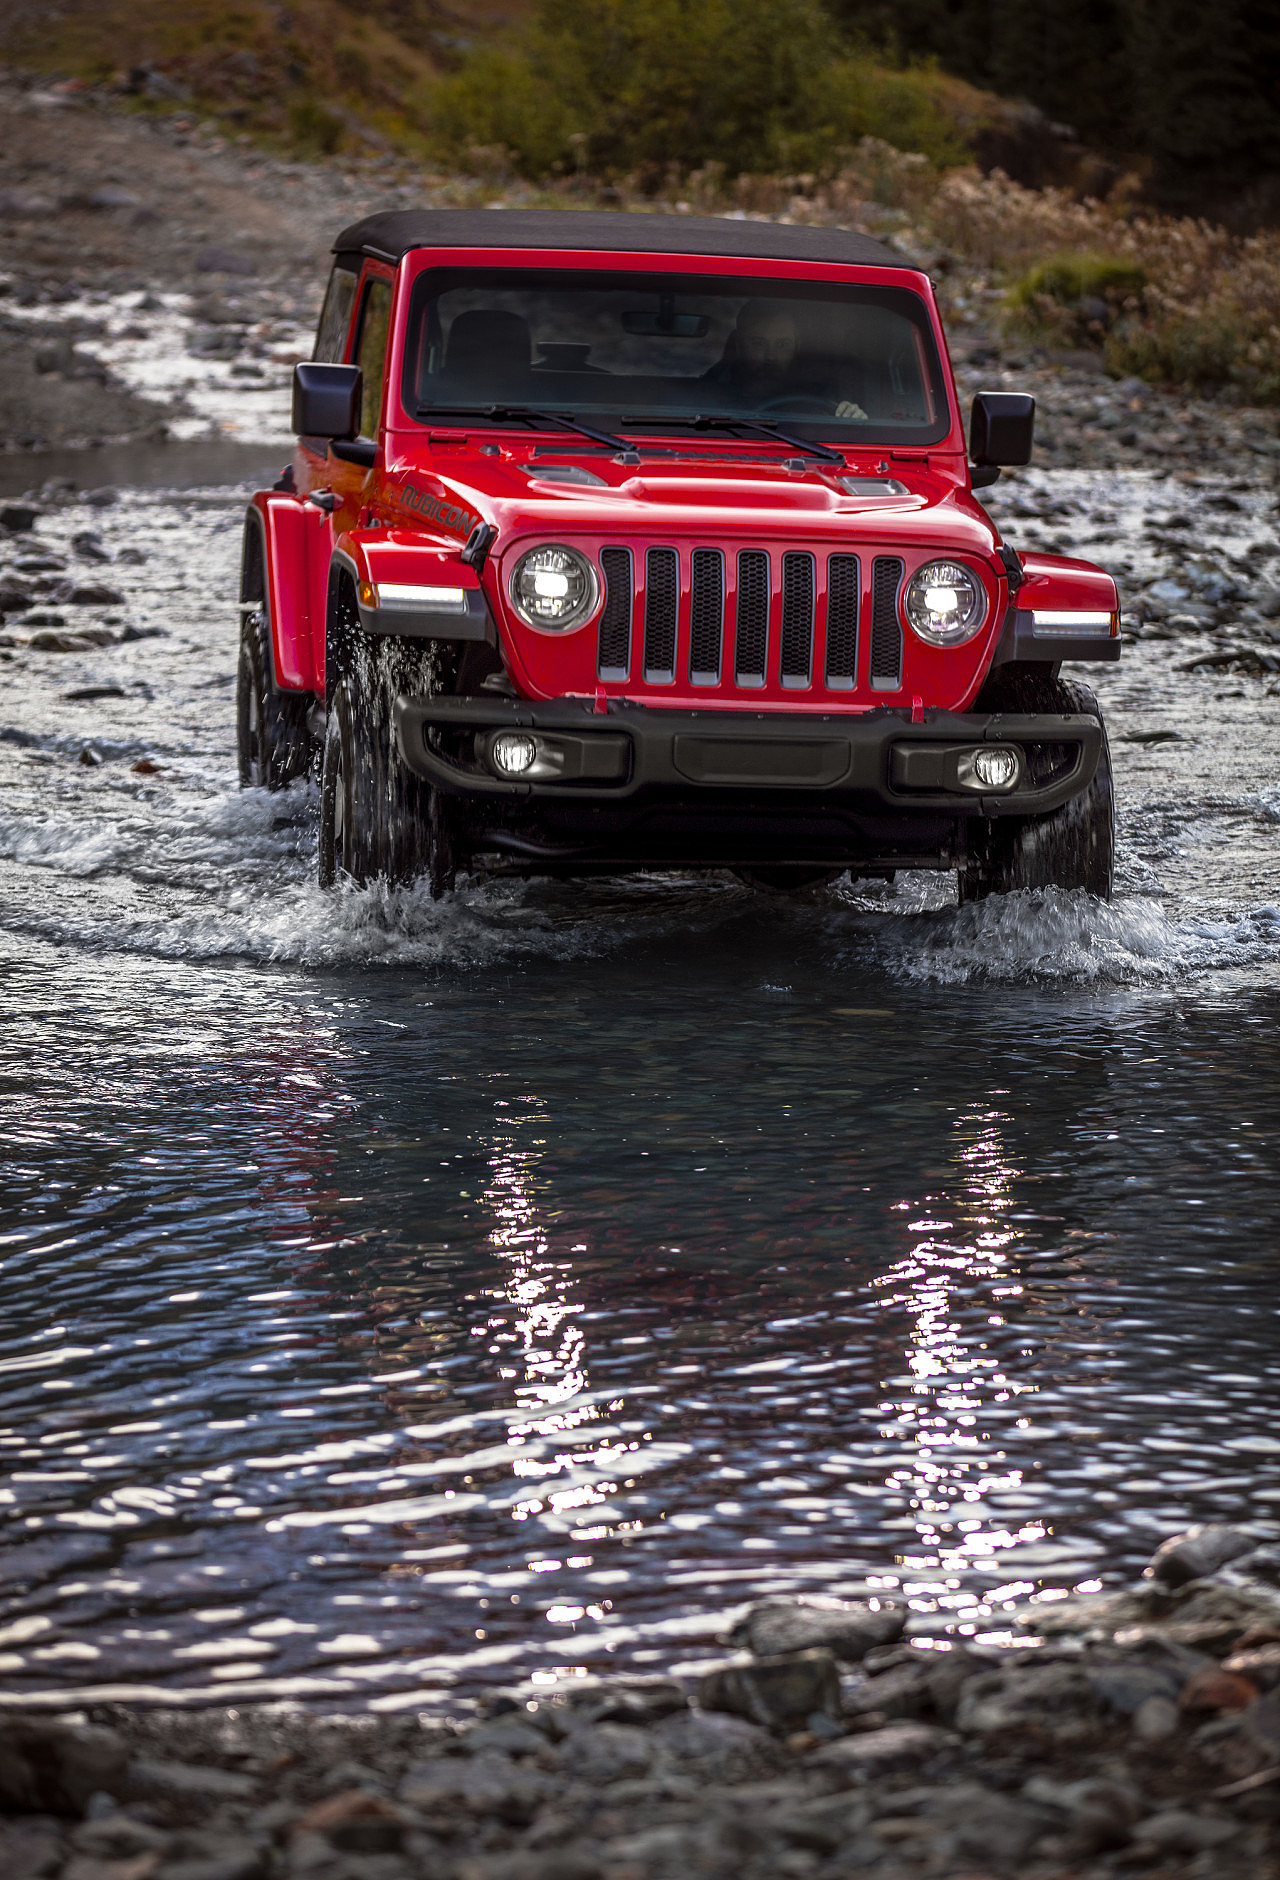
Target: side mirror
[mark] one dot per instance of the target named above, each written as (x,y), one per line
(1002,428)
(327,400)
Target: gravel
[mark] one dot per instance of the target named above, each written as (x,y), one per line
(1087,1737)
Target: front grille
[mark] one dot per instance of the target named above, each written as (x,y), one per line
(706,616)
(796,661)
(614,661)
(751,641)
(843,581)
(790,622)
(886,629)
(661,613)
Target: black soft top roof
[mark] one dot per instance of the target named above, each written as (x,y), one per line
(391,234)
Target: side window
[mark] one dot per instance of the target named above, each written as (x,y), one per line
(335,317)
(371,352)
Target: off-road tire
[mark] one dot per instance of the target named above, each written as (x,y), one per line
(1071,847)
(272,740)
(377,818)
(350,842)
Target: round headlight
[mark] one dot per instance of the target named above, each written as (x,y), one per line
(554,588)
(945,603)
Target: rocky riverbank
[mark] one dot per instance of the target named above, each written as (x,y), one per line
(116,229)
(1095,1735)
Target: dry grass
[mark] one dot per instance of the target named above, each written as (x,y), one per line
(1171,300)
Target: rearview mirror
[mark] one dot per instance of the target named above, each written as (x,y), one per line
(1002,427)
(327,400)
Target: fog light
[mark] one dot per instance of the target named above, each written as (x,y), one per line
(514,752)
(995,768)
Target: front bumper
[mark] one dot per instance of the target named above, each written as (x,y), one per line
(877,762)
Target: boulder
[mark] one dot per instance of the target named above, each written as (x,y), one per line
(780,1692)
(52,1768)
(1197,1553)
(849,1628)
(881,1752)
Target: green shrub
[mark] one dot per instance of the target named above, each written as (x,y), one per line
(1076,298)
(641,87)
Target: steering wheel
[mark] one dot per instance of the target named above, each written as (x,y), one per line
(798,405)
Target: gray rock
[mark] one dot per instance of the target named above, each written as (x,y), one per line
(624,1700)
(1097,1813)
(223,261)
(1155,1719)
(901,1692)
(609,1752)
(189,1782)
(849,1628)
(235,1859)
(1197,1553)
(93,596)
(1035,1695)
(18,518)
(512,1735)
(118,1836)
(52,1768)
(30,1850)
(88,546)
(1123,1688)
(824,1824)
(717,1747)
(779,1692)
(486,1785)
(880,1752)
(1178,1831)
(14,599)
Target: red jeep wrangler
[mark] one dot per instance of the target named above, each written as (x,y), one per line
(616,542)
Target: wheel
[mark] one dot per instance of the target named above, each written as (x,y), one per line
(272,740)
(349,821)
(376,817)
(1071,847)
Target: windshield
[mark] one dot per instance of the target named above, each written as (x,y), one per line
(649,351)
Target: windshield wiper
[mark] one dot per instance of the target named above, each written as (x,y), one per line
(822,452)
(530,414)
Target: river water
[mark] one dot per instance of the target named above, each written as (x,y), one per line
(402,1298)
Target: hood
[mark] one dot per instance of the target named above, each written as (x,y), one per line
(535,488)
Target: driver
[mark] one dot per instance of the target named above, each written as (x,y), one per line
(759,354)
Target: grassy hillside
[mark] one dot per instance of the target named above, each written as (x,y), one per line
(315,74)
(547,87)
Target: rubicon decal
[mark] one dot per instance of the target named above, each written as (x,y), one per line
(451,516)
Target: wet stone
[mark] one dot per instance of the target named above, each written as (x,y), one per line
(1039,1697)
(89,547)
(718,1747)
(850,1629)
(1176,1831)
(93,596)
(779,1692)
(53,1768)
(356,1821)
(18,518)
(1213,1689)
(1260,1664)
(879,1752)
(1155,1719)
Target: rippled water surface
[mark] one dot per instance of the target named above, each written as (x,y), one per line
(401,1298)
